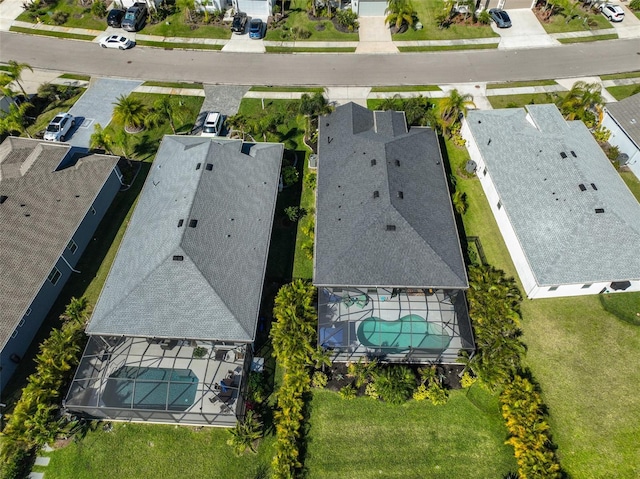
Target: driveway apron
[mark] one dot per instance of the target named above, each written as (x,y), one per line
(526,31)
(96,106)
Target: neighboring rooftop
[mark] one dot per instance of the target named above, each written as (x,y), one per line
(384,214)
(41,205)
(192,261)
(575,219)
(627,114)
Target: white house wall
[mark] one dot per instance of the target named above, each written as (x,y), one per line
(620,139)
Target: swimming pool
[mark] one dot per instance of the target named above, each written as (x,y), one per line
(408,332)
(134,387)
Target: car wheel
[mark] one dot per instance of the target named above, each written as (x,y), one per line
(103,45)
(73,123)
(121,48)
(62,138)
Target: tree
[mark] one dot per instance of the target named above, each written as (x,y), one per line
(100,140)
(459,200)
(187,6)
(164,109)
(395,384)
(454,106)
(245,434)
(399,13)
(583,102)
(14,72)
(311,106)
(131,112)
(15,119)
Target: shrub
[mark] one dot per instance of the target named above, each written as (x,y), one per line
(292,213)
(99,8)
(370,390)
(245,434)
(319,380)
(310,180)
(348,392)
(59,18)
(200,352)
(347,18)
(484,17)
(257,389)
(395,384)
(467,380)
(612,153)
(290,175)
(602,134)
(634,5)
(421,393)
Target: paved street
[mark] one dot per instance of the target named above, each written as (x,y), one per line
(324,70)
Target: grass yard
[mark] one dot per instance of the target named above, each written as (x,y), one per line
(620,76)
(632,182)
(518,101)
(579,354)
(402,88)
(426,11)
(46,33)
(364,438)
(136,451)
(519,84)
(302,264)
(78,16)
(41,122)
(297,18)
(594,38)
(585,21)
(446,48)
(623,91)
(288,89)
(176,26)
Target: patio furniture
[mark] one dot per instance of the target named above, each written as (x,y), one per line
(168,344)
(220,354)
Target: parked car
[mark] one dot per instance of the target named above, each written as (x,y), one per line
(256,28)
(213,124)
(59,127)
(614,13)
(135,17)
(239,22)
(114,19)
(116,41)
(500,17)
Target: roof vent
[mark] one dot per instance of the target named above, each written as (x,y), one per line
(563,155)
(373,162)
(178,257)
(593,185)
(582,187)
(3,198)
(599,210)
(397,162)
(573,153)
(180,223)
(376,194)
(400,194)
(193,223)
(209,166)
(198,166)
(391,227)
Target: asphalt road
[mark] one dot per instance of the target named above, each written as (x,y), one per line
(582,59)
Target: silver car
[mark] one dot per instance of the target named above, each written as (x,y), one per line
(59,127)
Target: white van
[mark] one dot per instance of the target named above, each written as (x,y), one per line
(213,124)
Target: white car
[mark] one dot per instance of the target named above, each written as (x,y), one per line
(59,127)
(116,41)
(614,13)
(213,124)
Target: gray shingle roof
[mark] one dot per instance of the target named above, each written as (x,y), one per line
(627,114)
(564,239)
(214,292)
(34,236)
(405,191)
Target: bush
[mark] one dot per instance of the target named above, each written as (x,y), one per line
(634,5)
(99,8)
(347,18)
(319,380)
(348,392)
(310,180)
(370,390)
(467,380)
(290,175)
(245,434)
(602,134)
(395,384)
(200,352)
(59,18)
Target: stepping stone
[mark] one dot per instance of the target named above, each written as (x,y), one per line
(42,461)
(36,475)
(47,448)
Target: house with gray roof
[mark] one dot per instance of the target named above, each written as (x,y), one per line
(570,223)
(622,119)
(51,202)
(387,262)
(172,332)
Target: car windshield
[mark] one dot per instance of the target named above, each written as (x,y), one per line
(503,15)
(130,16)
(53,127)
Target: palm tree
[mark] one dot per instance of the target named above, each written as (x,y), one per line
(311,106)
(131,112)
(453,106)
(14,71)
(100,139)
(15,119)
(459,200)
(583,102)
(245,434)
(165,108)
(399,13)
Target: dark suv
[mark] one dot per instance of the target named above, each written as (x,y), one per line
(135,17)
(239,23)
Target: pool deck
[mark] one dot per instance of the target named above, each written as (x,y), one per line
(210,407)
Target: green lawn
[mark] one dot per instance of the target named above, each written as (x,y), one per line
(175,26)
(73,76)
(52,110)
(623,91)
(516,101)
(518,84)
(365,438)
(426,11)
(586,21)
(79,17)
(302,264)
(594,38)
(445,48)
(632,182)
(297,18)
(295,89)
(195,86)
(619,76)
(136,451)
(47,33)
(579,354)
(378,89)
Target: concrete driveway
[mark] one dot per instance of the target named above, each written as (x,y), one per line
(96,106)
(223,98)
(630,26)
(525,32)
